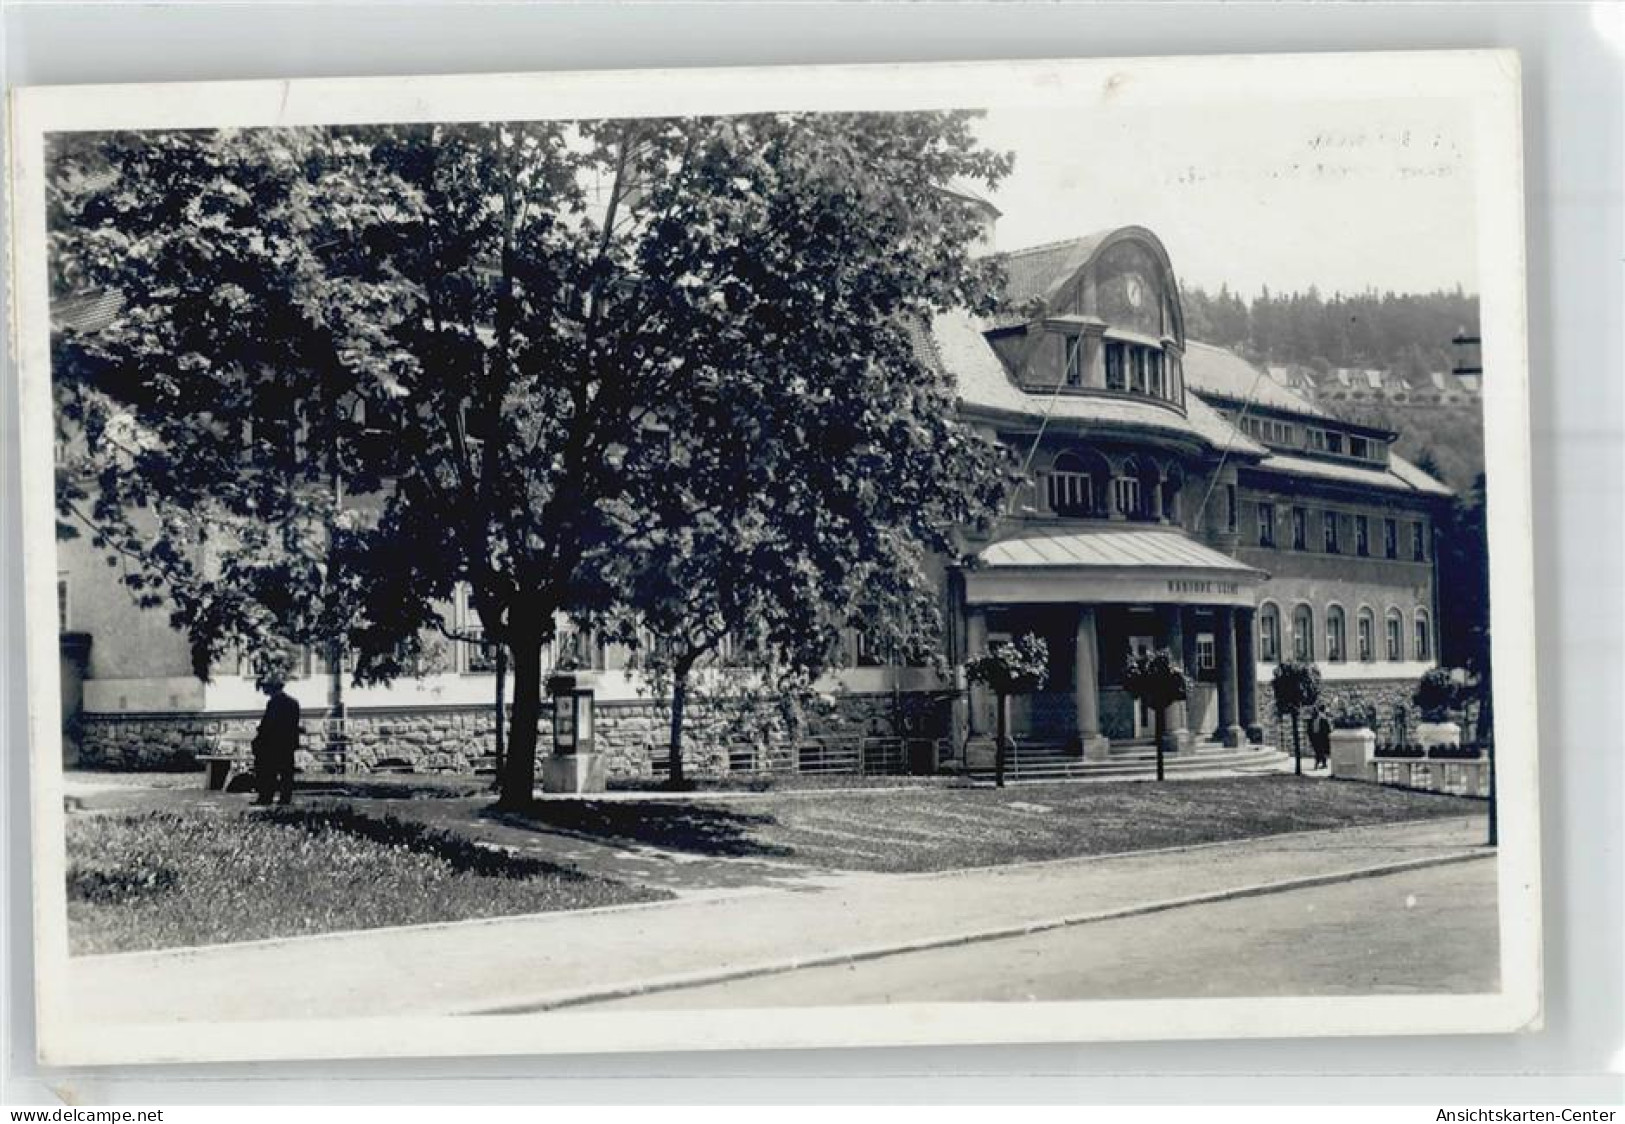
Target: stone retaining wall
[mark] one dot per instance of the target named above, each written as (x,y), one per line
(631,734)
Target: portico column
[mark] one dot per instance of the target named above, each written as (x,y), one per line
(1177,735)
(975,645)
(1229,732)
(1087,686)
(1246,671)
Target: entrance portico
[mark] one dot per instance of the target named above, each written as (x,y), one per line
(1094,595)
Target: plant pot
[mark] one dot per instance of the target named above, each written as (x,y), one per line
(1352,751)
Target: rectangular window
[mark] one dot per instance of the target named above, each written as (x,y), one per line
(1390,538)
(1232,517)
(62,602)
(1419,551)
(1360,447)
(1074,360)
(1362,535)
(1317,440)
(1158,380)
(1137,372)
(1116,372)
(1206,653)
(1300,529)
(1266,524)
(1334,442)
(1329,523)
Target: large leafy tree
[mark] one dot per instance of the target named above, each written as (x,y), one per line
(493,335)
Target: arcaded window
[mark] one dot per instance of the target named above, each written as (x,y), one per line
(1269,633)
(1334,634)
(1396,636)
(1367,636)
(1303,634)
(1424,636)
(1072,487)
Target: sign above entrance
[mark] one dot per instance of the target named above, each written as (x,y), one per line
(1143,586)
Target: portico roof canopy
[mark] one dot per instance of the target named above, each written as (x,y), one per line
(1108,565)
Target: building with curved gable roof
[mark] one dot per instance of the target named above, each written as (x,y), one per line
(1176,497)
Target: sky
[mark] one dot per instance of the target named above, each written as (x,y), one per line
(1341,195)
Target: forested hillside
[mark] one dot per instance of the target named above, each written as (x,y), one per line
(1406,333)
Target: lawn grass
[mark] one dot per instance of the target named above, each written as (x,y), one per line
(162,879)
(936,829)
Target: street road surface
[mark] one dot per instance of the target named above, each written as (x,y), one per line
(1418,932)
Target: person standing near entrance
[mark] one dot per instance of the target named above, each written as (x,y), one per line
(275,744)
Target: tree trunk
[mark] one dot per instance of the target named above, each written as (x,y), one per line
(519,774)
(1297,748)
(501,712)
(998,748)
(679,701)
(1160,723)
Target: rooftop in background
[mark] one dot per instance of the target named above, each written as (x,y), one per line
(1213,370)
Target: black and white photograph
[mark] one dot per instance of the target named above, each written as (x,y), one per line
(849,556)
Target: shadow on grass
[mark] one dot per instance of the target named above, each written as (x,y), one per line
(669,825)
(391,788)
(463,855)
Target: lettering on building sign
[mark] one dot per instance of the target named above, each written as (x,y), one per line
(1182,585)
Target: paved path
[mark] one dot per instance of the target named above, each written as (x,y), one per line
(1426,931)
(543,961)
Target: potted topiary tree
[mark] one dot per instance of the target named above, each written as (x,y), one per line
(1439,695)
(1009,667)
(1159,681)
(1296,687)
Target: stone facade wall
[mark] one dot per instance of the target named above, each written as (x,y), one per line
(1387,695)
(447,740)
(630,733)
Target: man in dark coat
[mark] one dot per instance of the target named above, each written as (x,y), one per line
(275,744)
(1320,736)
